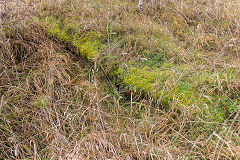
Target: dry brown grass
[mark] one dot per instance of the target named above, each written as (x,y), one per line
(55,105)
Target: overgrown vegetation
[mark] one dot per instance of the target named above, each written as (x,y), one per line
(99,80)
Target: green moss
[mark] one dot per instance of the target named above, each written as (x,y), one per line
(138,79)
(87,44)
(191,90)
(171,83)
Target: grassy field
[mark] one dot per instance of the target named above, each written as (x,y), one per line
(85,79)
